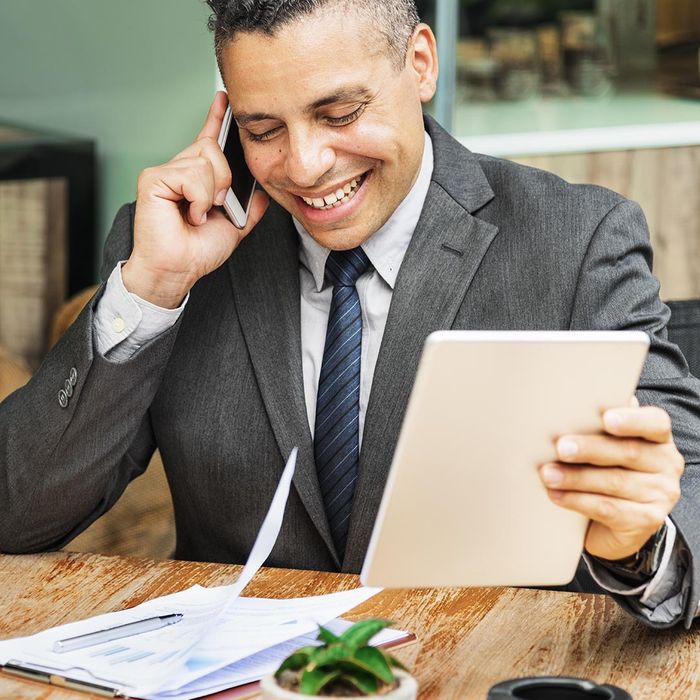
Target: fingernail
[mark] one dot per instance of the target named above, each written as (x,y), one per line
(552,475)
(566,448)
(220,197)
(613,420)
(203,220)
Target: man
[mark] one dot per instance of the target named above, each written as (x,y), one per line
(226,348)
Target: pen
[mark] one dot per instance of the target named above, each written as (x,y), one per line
(112,633)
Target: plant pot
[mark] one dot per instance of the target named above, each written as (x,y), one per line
(406,690)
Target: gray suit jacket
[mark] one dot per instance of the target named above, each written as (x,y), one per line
(498,246)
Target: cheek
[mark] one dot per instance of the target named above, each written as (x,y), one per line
(263,162)
(371,140)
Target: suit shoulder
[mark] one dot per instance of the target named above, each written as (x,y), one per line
(525,186)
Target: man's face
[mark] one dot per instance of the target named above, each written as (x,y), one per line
(326,115)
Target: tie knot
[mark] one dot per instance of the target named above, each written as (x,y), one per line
(344,267)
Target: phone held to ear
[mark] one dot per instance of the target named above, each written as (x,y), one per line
(240,194)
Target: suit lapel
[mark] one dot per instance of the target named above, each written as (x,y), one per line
(264,273)
(445,252)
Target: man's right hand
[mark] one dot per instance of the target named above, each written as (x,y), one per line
(178,236)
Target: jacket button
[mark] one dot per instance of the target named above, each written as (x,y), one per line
(68,387)
(73,376)
(62,398)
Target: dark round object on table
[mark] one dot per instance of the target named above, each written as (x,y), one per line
(555,688)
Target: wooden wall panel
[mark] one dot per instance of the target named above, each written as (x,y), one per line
(666,183)
(33,262)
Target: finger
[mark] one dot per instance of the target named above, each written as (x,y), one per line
(608,451)
(199,184)
(209,148)
(612,481)
(191,180)
(648,422)
(215,117)
(617,514)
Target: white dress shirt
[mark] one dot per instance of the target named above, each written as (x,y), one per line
(385,250)
(124,322)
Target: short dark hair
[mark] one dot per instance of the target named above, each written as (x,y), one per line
(394,19)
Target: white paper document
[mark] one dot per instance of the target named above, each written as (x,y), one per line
(218,629)
(254,667)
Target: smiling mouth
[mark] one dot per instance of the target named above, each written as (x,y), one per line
(336,199)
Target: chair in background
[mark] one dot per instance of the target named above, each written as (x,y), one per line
(14,373)
(684,330)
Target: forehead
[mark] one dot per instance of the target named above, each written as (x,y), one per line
(304,59)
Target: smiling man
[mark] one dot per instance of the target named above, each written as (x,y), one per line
(225,348)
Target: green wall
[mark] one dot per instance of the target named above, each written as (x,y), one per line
(137,76)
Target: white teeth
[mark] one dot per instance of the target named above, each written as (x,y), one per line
(337,198)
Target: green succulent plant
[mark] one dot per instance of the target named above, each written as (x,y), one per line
(343,664)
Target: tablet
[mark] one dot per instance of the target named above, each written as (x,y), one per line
(463,503)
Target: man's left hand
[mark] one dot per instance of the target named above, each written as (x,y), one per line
(626,480)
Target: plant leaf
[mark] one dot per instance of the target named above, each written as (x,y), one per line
(311,682)
(369,660)
(364,682)
(361,632)
(325,635)
(295,661)
(322,656)
(393,661)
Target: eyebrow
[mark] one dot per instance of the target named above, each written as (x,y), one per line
(351,94)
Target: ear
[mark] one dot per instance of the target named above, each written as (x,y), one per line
(422,59)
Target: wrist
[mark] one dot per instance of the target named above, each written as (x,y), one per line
(164,289)
(644,563)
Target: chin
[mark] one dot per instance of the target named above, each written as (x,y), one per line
(339,239)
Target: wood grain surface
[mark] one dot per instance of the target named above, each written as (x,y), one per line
(468,639)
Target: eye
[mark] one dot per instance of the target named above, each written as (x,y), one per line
(265,136)
(346,118)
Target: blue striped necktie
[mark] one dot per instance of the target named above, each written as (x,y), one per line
(336,436)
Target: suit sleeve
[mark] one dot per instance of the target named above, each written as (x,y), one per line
(66,455)
(616,290)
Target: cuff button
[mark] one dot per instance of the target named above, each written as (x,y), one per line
(73,376)
(62,398)
(68,388)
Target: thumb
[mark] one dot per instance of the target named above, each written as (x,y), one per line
(258,207)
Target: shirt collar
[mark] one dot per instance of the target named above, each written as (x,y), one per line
(386,247)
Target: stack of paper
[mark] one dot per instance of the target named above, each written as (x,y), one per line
(222,639)
(153,665)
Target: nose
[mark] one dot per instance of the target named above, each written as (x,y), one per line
(310,155)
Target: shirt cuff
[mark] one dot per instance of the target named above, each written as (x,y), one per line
(662,599)
(646,590)
(124,322)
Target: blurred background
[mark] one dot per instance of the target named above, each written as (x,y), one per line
(93,91)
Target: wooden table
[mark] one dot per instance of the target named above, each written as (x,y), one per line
(468,638)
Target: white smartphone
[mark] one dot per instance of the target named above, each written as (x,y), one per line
(240,194)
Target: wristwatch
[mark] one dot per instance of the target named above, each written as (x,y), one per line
(643,564)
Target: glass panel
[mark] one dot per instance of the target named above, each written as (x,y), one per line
(542,65)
